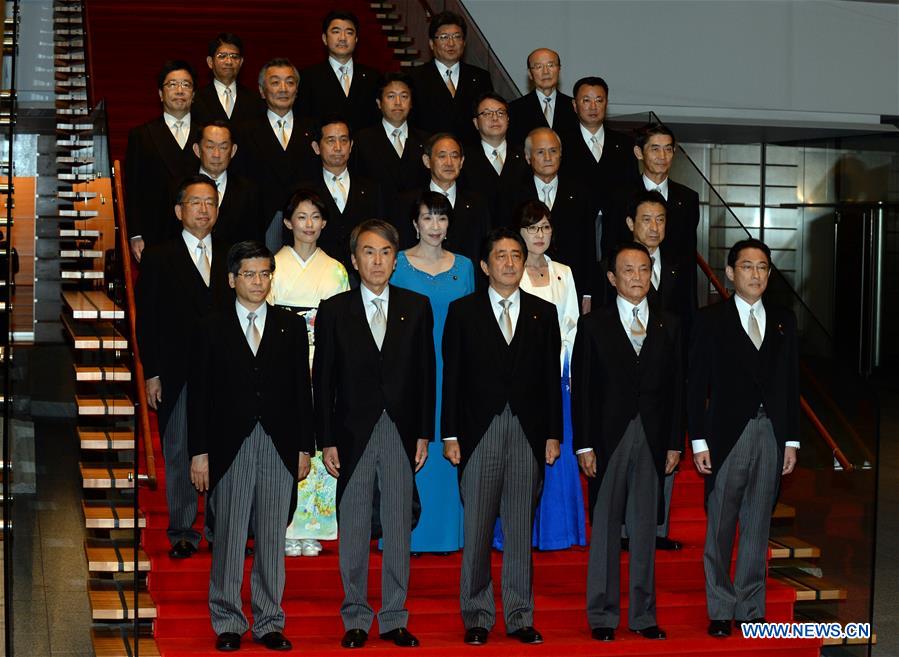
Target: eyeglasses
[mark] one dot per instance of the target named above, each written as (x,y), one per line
(197,202)
(748,267)
(549,66)
(233,56)
(443,38)
(489,114)
(179,84)
(542,229)
(265,275)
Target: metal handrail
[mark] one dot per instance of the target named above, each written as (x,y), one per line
(809,412)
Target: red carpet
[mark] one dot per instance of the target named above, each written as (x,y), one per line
(313,595)
(128,41)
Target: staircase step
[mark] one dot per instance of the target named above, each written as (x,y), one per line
(94,335)
(73,111)
(114,600)
(104,514)
(387,17)
(809,587)
(111,557)
(789,547)
(114,642)
(105,439)
(102,373)
(86,254)
(76,195)
(783,512)
(119,405)
(103,475)
(84,233)
(79,274)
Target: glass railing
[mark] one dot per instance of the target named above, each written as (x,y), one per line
(835,251)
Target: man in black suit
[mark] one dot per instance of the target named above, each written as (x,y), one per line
(390,153)
(373,377)
(546,106)
(626,409)
(276,147)
(340,85)
(446,87)
(502,419)
(239,218)
(743,421)
(224,99)
(250,409)
(350,199)
(572,210)
(444,157)
(158,158)
(598,155)
(494,167)
(181,280)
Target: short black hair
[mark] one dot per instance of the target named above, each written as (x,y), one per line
(642,135)
(488,95)
(626,246)
(337,15)
(530,213)
(196,179)
(299,196)
(385,229)
(497,234)
(435,202)
(589,81)
(645,196)
(221,39)
(437,136)
(272,63)
(393,76)
(217,123)
(749,243)
(170,65)
(247,251)
(446,18)
(330,119)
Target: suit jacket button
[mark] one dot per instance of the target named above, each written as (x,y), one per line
(258,394)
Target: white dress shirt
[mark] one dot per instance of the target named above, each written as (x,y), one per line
(651,185)
(192,243)
(455,68)
(370,308)
(220,92)
(331,184)
(600,138)
(448,193)
(288,127)
(550,197)
(552,104)
(185,125)
(348,68)
(389,128)
(488,151)
(220,183)
(242,313)
(743,307)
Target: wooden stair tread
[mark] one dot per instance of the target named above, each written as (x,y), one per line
(787,547)
(112,642)
(102,475)
(105,439)
(94,335)
(92,304)
(102,373)
(104,514)
(784,511)
(117,405)
(114,600)
(111,558)
(809,587)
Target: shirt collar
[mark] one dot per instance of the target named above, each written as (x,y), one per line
(488,150)
(223,177)
(389,128)
(553,184)
(744,307)
(651,185)
(442,68)
(336,66)
(368,295)
(221,86)
(626,309)
(274,118)
(243,311)
(449,193)
(342,176)
(600,134)
(551,96)
(171,120)
(192,242)
(495,296)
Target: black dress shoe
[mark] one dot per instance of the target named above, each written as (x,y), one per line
(476,636)
(228,642)
(354,639)
(182,550)
(401,637)
(603,633)
(527,634)
(665,543)
(651,632)
(625,544)
(719,628)
(274,641)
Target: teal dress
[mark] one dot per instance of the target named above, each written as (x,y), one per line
(439,528)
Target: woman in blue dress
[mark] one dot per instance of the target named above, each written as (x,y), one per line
(442,276)
(559,522)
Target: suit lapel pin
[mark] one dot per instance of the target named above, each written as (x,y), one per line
(402,318)
(780,329)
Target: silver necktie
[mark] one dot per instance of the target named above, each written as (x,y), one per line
(505,321)
(755,333)
(596,148)
(253,335)
(449,83)
(345,79)
(339,192)
(378,323)
(654,277)
(228,104)
(397,141)
(546,112)
(638,332)
(179,133)
(203,262)
(547,201)
(497,161)
(282,133)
